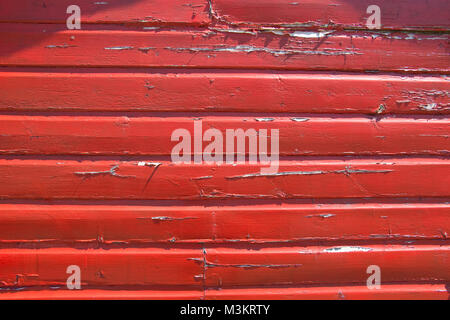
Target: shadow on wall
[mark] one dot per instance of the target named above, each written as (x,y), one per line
(20,20)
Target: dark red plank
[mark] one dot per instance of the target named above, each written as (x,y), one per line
(154,12)
(406,14)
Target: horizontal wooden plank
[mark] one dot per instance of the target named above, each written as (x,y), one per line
(346,264)
(53,45)
(163,90)
(116,135)
(386,292)
(224,267)
(101,294)
(225,51)
(252,223)
(408,14)
(113,267)
(152,12)
(312,178)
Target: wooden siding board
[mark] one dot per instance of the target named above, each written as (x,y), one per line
(108,179)
(86,178)
(113,267)
(148,12)
(224,267)
(404,15)
(387,292)
(409,14)
(123,293)
(218,91)
(245,223)
(144,135)
(312,265)
(53,45)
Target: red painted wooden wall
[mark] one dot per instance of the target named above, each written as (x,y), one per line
(86,176)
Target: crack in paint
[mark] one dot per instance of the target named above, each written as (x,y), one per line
(111,172)
(251,49)
(299,119)
(61,46)
(324,216)
(146,49)
(119,48)
(287,173)
(381,109)
(346,171)
(348,249)
(264,119)
(166,218)
(149,164)
(202,178)
(208,264)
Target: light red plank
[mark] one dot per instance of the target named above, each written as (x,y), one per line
(312,178)
(326,265)
(101,294)
(407,14)
(387,292)
(224,267)
(163,90)
(52,45)
(112,267)
(252,223)
(116,135)
(154,12)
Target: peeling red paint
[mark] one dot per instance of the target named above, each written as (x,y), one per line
(86,177)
